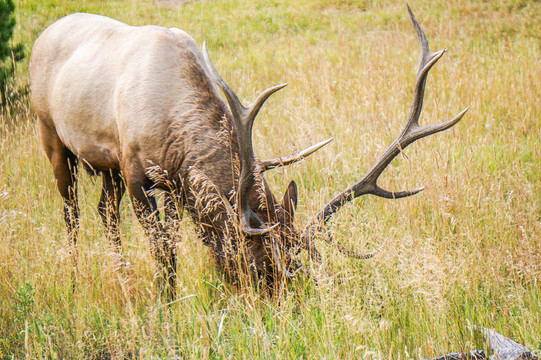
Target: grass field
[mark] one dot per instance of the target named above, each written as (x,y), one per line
(467,250)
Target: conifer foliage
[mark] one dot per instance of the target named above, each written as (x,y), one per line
(9,54)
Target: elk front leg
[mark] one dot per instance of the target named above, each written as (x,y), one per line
(109,208)
(162,246)
(173,207)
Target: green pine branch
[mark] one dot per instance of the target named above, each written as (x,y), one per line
(9,54)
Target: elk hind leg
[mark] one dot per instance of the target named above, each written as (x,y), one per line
(64,164)
(109,208)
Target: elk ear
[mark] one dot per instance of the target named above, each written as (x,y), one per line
(289,202)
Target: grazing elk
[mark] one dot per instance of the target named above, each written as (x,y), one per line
(141,106)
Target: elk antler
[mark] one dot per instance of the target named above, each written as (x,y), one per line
(411,132)
(287,160)
(243,118)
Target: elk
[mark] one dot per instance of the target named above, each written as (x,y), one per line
(141,106)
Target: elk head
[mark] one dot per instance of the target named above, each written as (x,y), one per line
(267,225)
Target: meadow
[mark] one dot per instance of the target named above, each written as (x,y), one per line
(466,250)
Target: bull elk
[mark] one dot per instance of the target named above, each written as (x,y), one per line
(141,106)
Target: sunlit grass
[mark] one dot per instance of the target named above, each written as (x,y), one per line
(467,250)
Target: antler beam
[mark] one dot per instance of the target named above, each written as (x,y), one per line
(243,118)
(411,133)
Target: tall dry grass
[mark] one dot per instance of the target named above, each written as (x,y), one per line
(464,251)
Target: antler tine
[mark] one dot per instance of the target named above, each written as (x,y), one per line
(287,160)
(260,100)
(244,119)
(411,132)
(344,250)
(236,107)
(423,42)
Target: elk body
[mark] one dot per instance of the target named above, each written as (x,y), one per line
(141,106)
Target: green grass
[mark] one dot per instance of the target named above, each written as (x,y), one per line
(467,250)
